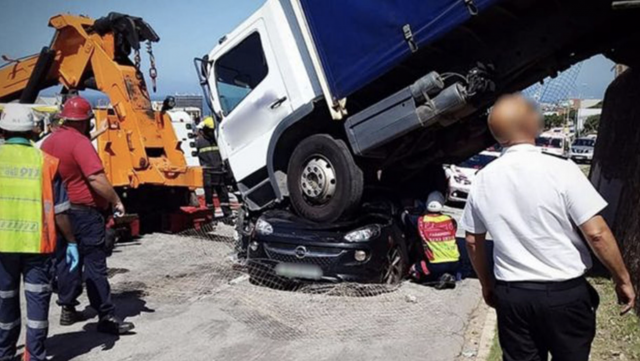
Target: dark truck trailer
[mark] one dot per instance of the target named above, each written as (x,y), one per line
(320,100)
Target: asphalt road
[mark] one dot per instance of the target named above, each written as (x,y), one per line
(188,303)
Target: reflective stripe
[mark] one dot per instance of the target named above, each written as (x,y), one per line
(62,207)
(8,294)
(437,219)
(208,149)
(37,325)
(32,287)
(9,326)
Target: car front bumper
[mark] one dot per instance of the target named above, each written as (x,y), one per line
(337,261)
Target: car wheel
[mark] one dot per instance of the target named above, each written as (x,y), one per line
(324,181)
(394,270)
(397,262)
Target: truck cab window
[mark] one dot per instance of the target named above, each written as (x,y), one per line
(240,71)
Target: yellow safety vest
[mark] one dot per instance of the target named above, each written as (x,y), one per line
(438,233)
(27,223)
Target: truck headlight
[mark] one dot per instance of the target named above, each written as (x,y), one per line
(363,234)
(263,227)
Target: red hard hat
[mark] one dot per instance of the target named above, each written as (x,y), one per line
(76,108)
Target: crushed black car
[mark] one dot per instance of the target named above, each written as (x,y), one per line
(286,250)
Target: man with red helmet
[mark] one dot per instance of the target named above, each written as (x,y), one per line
(91,195)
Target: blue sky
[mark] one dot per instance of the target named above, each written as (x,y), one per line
(187,29)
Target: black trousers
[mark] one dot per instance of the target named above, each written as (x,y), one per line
(560,320)
(89,228)
(214,182)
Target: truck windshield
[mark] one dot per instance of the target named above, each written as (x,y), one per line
(240,71)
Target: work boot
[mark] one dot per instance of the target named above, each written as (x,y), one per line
(69,316)
(115,326)
(446,281)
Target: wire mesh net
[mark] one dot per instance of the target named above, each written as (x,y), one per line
(555,90)
(199,264)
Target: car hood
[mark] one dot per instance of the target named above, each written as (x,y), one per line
(582,147)
(290,225)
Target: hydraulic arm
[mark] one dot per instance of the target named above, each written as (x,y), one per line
(140,146)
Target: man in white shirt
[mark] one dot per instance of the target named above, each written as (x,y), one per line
(535,206)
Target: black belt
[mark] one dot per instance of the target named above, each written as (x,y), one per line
(545,286)
(82,207)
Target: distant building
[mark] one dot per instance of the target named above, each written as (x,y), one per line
(189,101)
(584,103)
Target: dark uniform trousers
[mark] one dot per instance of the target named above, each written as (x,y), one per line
(537,318)
(89,228)
(36,271)
(214,182)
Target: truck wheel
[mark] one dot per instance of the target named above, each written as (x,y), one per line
(323,179)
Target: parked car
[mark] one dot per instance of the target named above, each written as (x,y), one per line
(460,176)
(286,250)
(582,149)
(554,143)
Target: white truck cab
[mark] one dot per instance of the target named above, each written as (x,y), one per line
(317,99)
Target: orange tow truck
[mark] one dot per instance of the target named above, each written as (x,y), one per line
(140,151)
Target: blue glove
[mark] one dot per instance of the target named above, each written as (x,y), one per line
(73,257)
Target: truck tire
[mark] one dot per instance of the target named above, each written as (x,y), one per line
(324,181)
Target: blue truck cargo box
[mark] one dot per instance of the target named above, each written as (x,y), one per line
(360,40)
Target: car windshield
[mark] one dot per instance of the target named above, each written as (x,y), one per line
(549,142)
(585,142)
(478,161)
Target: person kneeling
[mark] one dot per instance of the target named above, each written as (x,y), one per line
(440,257)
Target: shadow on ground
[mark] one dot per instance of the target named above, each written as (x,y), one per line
(70,345)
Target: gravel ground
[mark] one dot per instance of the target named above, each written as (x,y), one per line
(188,303)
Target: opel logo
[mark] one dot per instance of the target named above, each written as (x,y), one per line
(300,252)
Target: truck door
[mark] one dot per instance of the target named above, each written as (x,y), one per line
(252,98)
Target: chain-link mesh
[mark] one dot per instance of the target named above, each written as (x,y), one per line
(558,89)
(202,264)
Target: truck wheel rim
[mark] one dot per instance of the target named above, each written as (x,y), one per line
(318,180)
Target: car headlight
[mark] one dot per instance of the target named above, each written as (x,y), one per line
(461,179)
(263,227)
(363,234)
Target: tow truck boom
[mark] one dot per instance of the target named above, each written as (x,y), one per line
(140,147)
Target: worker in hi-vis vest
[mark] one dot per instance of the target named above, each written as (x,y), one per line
(440,259)
(32,205)
(212,167)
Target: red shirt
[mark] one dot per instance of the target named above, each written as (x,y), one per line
(78,160)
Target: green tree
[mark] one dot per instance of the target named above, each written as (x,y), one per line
(592,124)
(553,121)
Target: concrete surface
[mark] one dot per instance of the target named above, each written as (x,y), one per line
(188,303)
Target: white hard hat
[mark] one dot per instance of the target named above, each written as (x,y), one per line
(435,202)
(17,118)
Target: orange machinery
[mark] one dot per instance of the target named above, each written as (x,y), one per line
(140,151)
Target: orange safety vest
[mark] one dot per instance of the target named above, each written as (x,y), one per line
(27,209)
(438,233)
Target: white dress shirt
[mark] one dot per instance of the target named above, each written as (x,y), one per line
(531,204)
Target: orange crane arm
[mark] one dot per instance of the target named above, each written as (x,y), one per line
(140,146)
